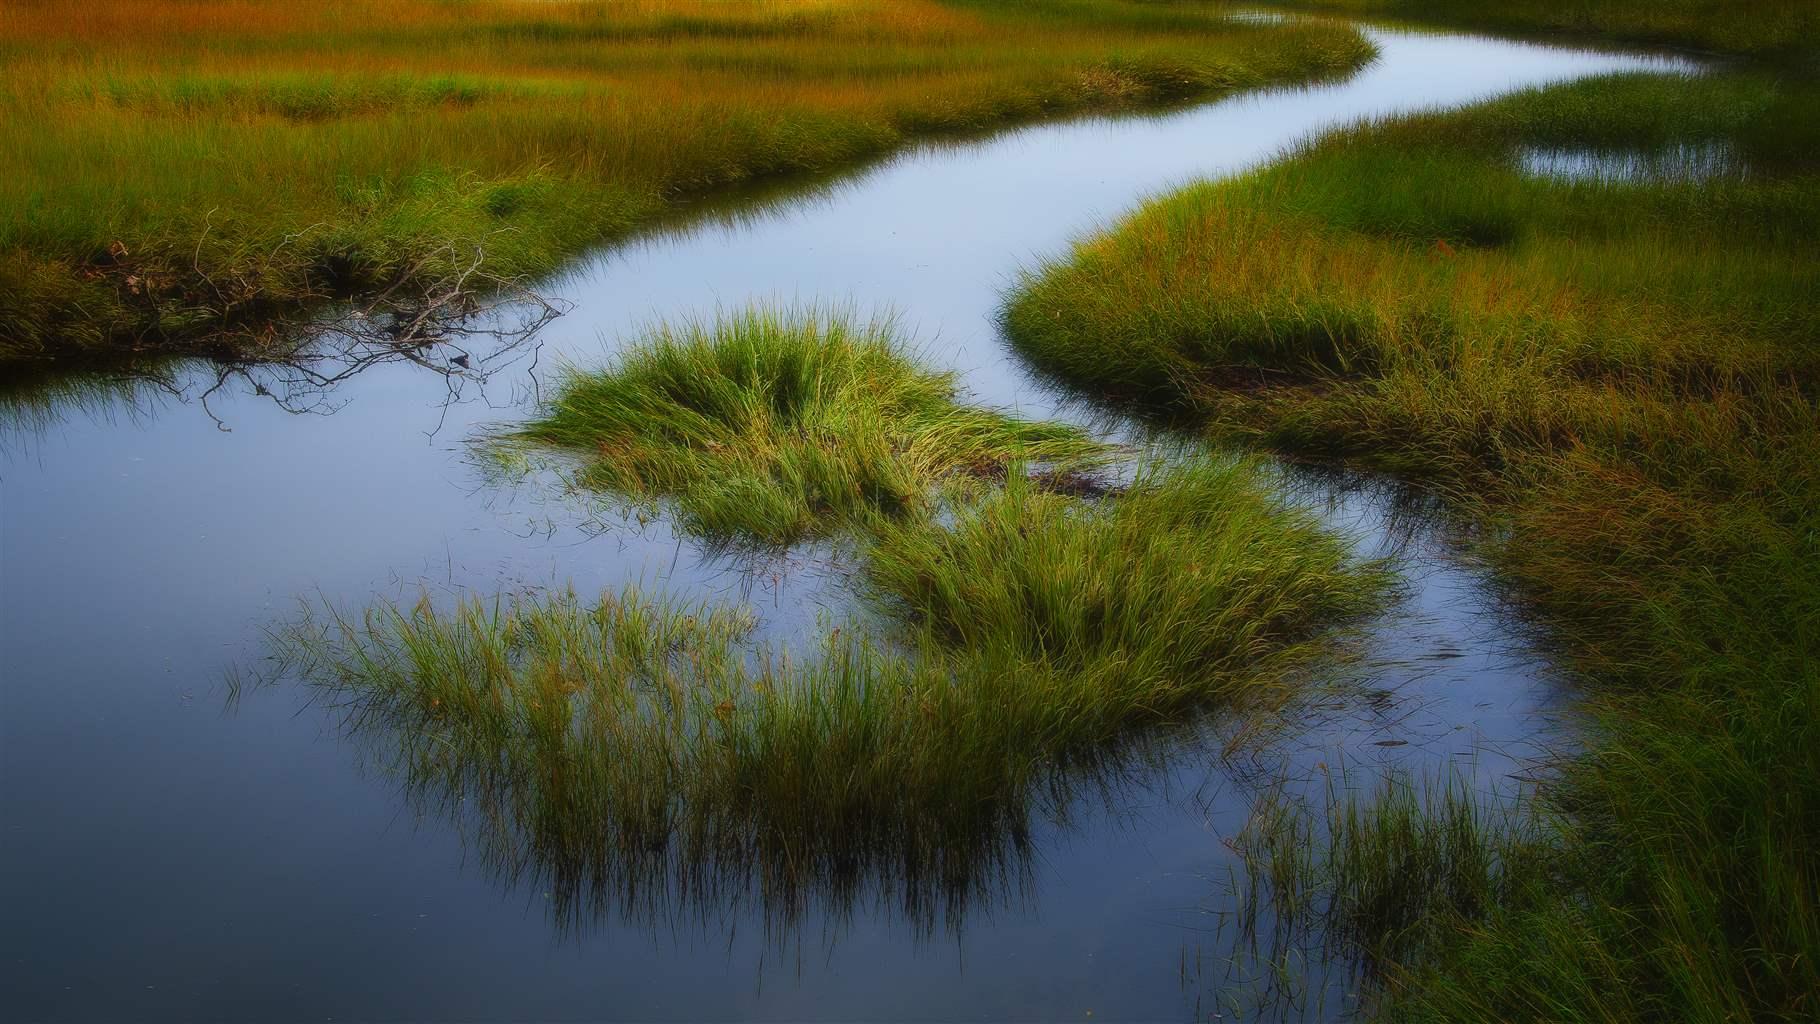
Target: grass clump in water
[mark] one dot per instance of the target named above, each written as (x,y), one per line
(766,427)
(1171,590)
(1617,378)
(620,750)
(634,745)
(1373,878)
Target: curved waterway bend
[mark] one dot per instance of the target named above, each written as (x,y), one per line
(164,860)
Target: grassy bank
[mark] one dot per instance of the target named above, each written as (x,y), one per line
(1023,642)
(1585,315)
(185,170)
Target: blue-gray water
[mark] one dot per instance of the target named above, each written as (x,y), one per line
(162,858)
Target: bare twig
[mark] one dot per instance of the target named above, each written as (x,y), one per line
(432,324)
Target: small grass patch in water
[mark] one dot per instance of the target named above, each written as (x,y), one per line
(1371,877)
(1041,642)
(620,748)
(1170,591)
(765,427)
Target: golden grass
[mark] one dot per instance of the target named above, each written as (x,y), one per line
(245,153)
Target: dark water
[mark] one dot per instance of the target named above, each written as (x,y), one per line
(163,857)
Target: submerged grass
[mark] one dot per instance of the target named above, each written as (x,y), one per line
(635,744)
(1617,377)
(175,168)
(1387,874)
(766,427)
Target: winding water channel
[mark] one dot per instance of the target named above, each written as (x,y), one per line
(163,856)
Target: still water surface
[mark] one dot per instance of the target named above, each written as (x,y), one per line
(163,857)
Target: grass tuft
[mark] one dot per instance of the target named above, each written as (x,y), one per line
(765,427)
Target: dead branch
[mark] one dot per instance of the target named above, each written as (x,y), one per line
(465,326)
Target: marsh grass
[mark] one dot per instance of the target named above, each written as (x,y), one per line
(1030,646)
(1616,379)
(1366,877)
(1181,580)
(631,750)
(1420,252)
(177,168)
(764,427)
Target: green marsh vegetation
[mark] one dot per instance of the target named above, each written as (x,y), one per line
(766,427)
(1359,873)
(181,172)
(1014,645)
(1614,376)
